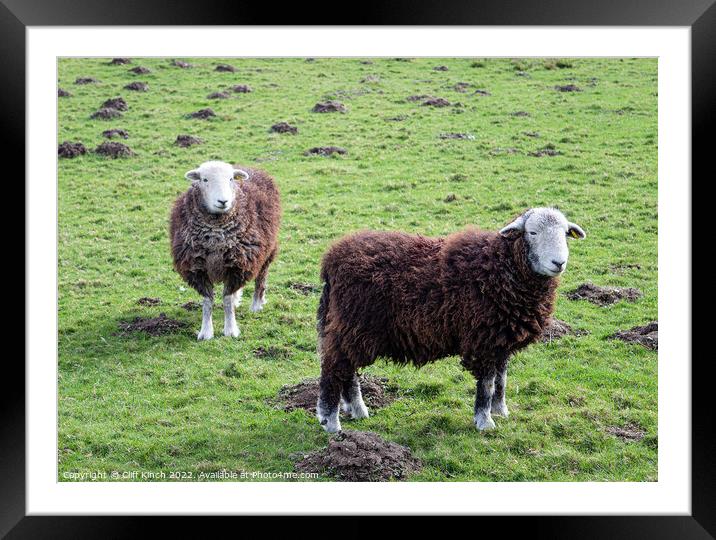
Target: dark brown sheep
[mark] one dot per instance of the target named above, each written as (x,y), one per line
(411,299)
(224,228)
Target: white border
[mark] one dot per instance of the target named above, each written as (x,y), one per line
(671,494)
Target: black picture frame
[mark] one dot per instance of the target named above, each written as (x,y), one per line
(699,15)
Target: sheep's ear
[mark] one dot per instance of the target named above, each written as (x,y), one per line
(515,228)
(575,231)
(240,175)
(193,176)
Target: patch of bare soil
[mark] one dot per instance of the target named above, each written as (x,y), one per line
(304,395)
(70,150)
(325,151)
(436,102)
(225,68)
(402,59)
(620,268)
(628,433)
(106,113)
(63,93)
(86,80)
(119,61)
(147,301)
(533,134)
(116,103)
(180,64)
(604,296)
(568,88)
(329,107)
(112,133)
(304,288)
(361,456)
(137,86)
(284,127)
(419,97)
(480,92)
(241,89)
(192,305)
(461,87)
(114,150)
(520,114)
(140,70)
(546,151)
(557,329)
(370,79)
(154,326)
(202,114)
(441,68)
(218,95)
(647,335)
(466,136)
(185,141)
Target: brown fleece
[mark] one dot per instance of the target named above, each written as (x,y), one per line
(232,248)
(414,299)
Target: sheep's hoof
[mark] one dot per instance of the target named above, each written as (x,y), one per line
(484,422)
(331,423)
(257,305)
(204,335)
(359,411)
(500,409)
(231,331)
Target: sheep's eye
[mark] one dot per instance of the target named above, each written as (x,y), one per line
(206,179)
(533,233)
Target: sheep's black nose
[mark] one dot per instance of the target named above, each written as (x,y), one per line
(223,203)
(558,264)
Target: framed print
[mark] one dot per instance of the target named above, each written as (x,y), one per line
(415,266)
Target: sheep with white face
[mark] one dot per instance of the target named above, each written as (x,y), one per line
(216,180)
(545,231)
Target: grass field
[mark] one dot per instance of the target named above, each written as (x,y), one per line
(170,403)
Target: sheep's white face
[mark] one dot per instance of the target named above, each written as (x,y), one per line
(545,231)
(215,179)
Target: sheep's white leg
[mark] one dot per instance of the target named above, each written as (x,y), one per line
(499,406)
(328,417)
(329,400)
(207,325)
(258,301)
(238,295)
(353,399)
(231,329)
(483,403)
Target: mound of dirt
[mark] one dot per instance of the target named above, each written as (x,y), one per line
(441,68)
(137,86)
(86,80)
(106,113)
(192,305)
(568,88)
(63,93)
(325,151)
(70,150)
(180,64)
(461,87)
(456,136)
(202,114)
(242,89)
(548,150)
(225,67)
(556,329)
(154,326)
(520,114)
(419,97)
(218,95)
(329,106)
(114,150)
(146,301)
(284,127)
(647,335)
(119,61)
(185,141)
(304,288)
(112,133)
(604,296)
(361,456)
(436,102)
(481,93)
(140,70)
(116,103)
(629,432)
(304,395)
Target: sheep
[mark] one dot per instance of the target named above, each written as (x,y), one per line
(224,228)
(413,299)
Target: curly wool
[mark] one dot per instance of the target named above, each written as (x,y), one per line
(414,299)
(232,247)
